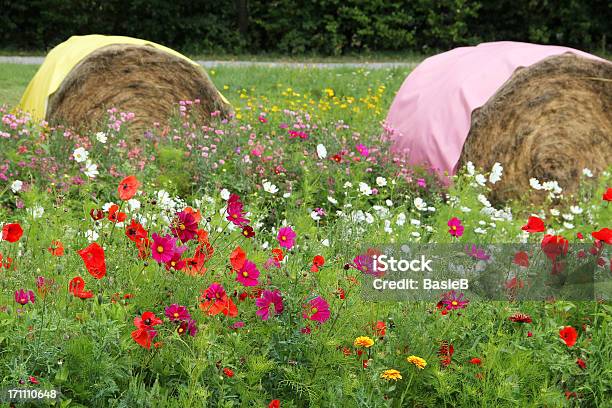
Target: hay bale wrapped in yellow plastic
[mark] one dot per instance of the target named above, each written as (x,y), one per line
(86,75)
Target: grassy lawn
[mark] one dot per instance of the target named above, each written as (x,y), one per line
(234,271)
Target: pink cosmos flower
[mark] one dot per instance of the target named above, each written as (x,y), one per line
(363,150)
(163,248)
(248,274)
(23,298)
(455,227)
(235,211)
(185,226)
(269,298)
(317,310)
(451,301)
(176,312)
(188,326)
(286,237)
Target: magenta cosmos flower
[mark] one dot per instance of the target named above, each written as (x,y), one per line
(23,298)
(267,299)
(189,326)
(286,237)
(185,226)
(176,312)
(451,301)
(163,248)
(317,310)
(455,227)
(235,211)
(363,150)
(248,274)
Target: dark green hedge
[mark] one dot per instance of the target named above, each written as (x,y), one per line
(331,27)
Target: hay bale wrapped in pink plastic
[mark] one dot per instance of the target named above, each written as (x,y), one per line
(540,111)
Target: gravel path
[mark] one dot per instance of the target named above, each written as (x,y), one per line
(271,64)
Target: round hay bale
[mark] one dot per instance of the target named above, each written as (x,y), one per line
(132,78)
(549,121)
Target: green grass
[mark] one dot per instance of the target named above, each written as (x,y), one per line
(85,347)
(13,80)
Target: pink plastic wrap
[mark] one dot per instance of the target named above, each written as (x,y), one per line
(430,115)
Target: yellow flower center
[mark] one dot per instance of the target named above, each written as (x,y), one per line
(314,310)
(180,330)
(454,303)
(454,228)
(245,274)
(283,238)
(160,249)
(176,314)
(182,227)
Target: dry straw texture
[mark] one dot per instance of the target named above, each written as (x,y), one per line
(138,79)
(548,121)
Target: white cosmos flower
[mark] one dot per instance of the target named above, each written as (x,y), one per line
(321,151)
(287,195)
(416,234)
(555,212)
(387,227)
(91,170)
(420,204)
(496,173)
(480,179)
(133,204)
(401,219)
(535,183)
(101,137)
(389,203)
(480,231)
(567,217)
(91,235)
(225,194)
(315,216)
(107,206)
(429,228)
(325,242)
(80,155)
(470,168)
(483,200)
(381,181)
(587,172)
(348,184)
(415,222)
(36,211)
(269,187)
(16,186)
(332,200)
(568,225)
(552,186)
(465,209)
(431,209)
(369,218)
(574,209)
(365,189)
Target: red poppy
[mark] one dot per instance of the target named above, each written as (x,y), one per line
(238,258)
(93,256)
(317,262)
(581,363)
(380,328)
(195,213)
(534,224)
(228,372)
(144,248)
(33,380)
(476,361)
(114,215)
(607,196)
(56,248)
(278,254)
(77,286)
(274,404)
(145,331)
(569,335)
(521,259)
(554,245)
(128,188)
(604,235)
(135,231)
(12,232)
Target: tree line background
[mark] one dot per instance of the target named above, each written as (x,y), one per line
(327,27)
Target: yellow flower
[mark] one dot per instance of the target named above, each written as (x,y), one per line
(391,374)
(417,361)
(363,341)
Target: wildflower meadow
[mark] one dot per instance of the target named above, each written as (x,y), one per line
(223,265)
